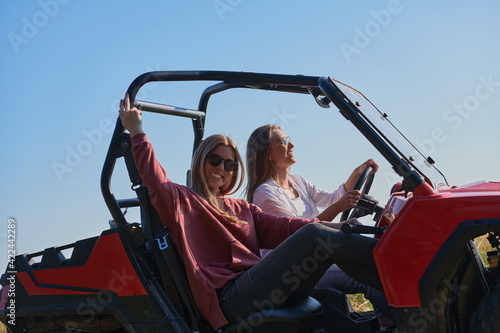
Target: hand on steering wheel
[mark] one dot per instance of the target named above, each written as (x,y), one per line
(364,181)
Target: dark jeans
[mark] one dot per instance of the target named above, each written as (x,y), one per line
(293,269)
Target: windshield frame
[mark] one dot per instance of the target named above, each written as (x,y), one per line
(405,158)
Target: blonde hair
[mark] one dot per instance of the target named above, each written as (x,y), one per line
(198,178)
(259,166)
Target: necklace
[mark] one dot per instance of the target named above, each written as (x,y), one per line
(290,191)
(283,187)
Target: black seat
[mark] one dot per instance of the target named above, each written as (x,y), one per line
(298,316)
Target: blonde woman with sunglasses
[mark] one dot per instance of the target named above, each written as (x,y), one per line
(219,238)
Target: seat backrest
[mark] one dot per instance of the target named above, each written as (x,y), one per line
(173,274)
(163,251)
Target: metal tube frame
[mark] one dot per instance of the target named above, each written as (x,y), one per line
(227,80)
(313,85)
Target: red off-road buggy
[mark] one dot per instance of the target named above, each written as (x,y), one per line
(130,278)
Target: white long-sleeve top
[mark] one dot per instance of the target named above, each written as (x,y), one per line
(272,199)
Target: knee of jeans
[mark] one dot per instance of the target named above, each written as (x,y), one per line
(312,228)
(311,231)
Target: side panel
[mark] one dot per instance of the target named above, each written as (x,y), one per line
(110,286)
(418,233)
(452,286)
(108,268)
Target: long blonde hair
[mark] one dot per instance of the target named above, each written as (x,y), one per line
(259,166)
(198,178)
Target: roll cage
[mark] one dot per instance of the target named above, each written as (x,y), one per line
(324,90)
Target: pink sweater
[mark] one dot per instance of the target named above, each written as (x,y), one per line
(213,249)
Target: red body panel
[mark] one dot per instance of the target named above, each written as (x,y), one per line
(108,268)
(419,230)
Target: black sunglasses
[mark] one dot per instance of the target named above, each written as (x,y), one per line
(215,160)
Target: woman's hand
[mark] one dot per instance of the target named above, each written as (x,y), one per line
(352,221)
(348,200)
(359,170)
(338,225)
(353,178)
(131,118)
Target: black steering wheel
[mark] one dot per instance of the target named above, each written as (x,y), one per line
(364,181)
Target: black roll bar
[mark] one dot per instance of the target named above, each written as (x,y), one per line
(227,80)
(314,85)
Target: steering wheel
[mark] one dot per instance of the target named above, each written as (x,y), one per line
(364,181)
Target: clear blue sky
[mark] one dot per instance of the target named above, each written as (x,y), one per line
(432,66)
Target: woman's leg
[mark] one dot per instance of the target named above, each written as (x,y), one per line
(295,266)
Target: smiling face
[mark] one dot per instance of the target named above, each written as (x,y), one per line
(217,176)
(280,150)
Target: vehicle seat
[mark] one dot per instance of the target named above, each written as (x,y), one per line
(298,316)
